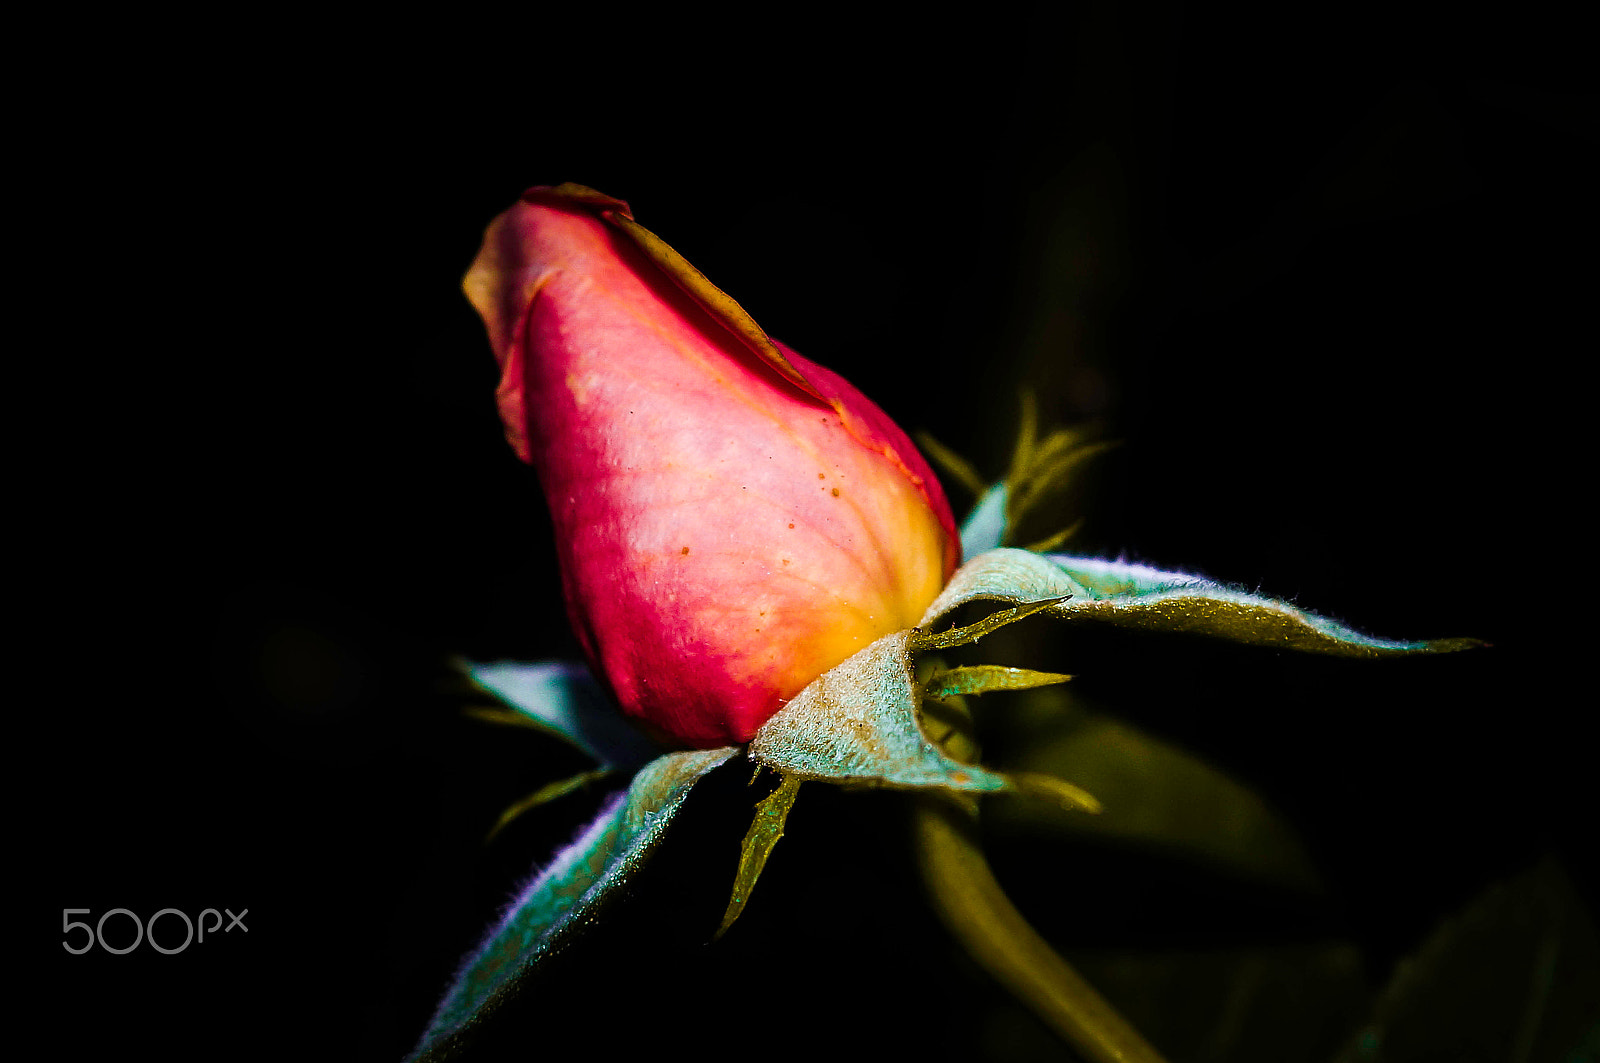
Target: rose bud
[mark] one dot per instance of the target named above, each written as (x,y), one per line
(732,520)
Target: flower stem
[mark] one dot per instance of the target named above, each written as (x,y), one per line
(979,914)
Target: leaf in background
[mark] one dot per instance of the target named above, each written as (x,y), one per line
(566,893)
(564,698)
(1253,1004)
(1151,794)
(1515,977)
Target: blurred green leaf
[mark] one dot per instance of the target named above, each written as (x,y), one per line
(1151,794)
(1259,1004)
(1514,977)
(976,910)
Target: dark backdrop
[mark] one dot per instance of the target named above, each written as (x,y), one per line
(1326,279)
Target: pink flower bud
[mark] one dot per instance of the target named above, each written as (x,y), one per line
(733,520)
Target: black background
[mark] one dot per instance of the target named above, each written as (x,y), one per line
(1326,278)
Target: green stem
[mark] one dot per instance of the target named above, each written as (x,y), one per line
(977,912)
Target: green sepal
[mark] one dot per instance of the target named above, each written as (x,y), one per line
(983,678)
(857,723)
(1047,471)
(1136,596)
(921,640)
(1040,470)
(562,699)
(954,465)
(985,527)
(1004,575)
(544,795)
(567,893)
(765,830)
